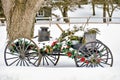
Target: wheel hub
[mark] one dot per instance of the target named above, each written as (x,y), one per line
(22,55)
(95,60)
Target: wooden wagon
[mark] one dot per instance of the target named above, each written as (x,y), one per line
(87,51)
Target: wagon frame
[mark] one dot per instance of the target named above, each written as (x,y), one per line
(25,52)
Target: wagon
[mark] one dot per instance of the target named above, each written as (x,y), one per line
(87,51)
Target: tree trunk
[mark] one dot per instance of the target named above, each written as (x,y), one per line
(64,13)
(104,12)
(110,13)
(20,15)
(93,7)
(110,18)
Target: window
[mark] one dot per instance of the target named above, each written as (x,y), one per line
(40,13)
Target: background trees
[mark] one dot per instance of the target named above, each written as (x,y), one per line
(108,7)
(64,6)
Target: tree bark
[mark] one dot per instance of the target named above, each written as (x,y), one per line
(110,12)
(93,7)
(104,13)
(20,15)
(65,15)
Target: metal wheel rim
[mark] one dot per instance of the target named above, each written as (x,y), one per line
(14,58)
(104,57)
(50,59)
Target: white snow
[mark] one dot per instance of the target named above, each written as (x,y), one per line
(66,69)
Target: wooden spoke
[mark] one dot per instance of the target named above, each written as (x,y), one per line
(50,59)
(21,52)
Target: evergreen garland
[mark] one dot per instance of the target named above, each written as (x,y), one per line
(15,47)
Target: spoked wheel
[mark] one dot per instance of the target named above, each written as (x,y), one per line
(94,54)
(21,52)
(50,59)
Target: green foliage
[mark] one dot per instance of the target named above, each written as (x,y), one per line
(74,38)
(70,34)
(93,31)
(20,44)
(50,49)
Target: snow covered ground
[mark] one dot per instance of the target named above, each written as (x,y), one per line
(66,69)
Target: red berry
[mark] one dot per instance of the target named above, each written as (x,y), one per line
(69,54)
(53,44)
(82,59)
(87,62)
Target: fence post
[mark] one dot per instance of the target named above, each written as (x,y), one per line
(50,18)
(107,21)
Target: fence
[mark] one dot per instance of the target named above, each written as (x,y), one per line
(78,20)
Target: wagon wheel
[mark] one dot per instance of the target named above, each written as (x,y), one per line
(50,59)
(21,52)
(94,54)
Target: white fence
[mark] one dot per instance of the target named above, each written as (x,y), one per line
(77,20)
